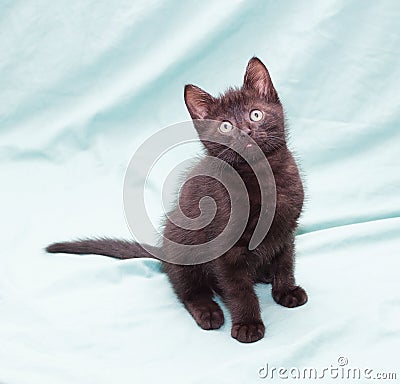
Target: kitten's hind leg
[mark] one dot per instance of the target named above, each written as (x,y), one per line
(193,288)
(206,312)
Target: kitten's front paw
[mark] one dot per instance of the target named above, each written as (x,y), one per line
(290,297)
(248,332)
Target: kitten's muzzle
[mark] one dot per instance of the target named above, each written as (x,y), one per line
(246,131)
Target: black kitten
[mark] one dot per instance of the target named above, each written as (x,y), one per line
(253,110)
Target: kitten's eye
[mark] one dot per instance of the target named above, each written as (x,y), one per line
(225,127)
(256,115)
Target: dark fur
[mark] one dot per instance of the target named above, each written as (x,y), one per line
(234,274)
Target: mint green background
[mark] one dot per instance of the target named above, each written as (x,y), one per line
(83,83)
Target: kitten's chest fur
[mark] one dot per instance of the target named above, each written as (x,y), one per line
(288,199)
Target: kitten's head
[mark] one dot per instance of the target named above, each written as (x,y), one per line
(253,110)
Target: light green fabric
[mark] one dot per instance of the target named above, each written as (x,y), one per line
(83,83)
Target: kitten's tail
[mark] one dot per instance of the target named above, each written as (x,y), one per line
(120,249)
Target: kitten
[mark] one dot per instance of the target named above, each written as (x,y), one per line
(255,109)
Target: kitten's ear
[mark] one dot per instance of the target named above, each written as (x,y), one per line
(257,78)
(197,101)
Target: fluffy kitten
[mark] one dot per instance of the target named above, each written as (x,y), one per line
(254,110)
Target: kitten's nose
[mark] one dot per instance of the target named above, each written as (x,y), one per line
(247,131)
